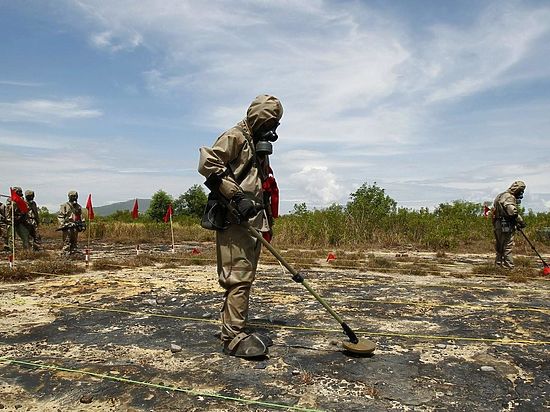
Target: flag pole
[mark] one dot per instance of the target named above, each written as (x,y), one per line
(89,234)
(172,230)
(135,215)
(12,234)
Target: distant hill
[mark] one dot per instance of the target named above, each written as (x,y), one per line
(107,210)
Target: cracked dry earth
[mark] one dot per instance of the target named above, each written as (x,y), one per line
(443,343)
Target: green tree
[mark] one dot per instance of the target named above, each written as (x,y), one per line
(371,201)
(299,209)
(368,208)
(159,205)
(459,209)
(191,203)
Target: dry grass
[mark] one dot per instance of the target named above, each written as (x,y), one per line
(380,262)
(38,268)
(167,261)
(414,270)
(106,264)
(487,269)
(306,378)
(132,233)
(31,255)
(522,274)
(56,266)
(15,274)
(523,262)
(348,264)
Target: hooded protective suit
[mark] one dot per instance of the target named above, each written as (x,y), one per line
(19,221)
(33,220)
(233,161)
(506,218)
(3,226)
(71,223)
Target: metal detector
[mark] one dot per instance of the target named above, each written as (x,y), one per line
(546,269)
(355,345)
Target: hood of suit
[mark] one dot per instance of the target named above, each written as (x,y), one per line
(264,107)
(517,187)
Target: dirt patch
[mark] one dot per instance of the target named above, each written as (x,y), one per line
(444,342)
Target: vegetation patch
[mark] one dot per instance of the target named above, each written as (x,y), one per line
(39,268)
(522,274)
(377,262)
(487,269)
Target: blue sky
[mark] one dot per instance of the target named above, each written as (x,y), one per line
(433,100)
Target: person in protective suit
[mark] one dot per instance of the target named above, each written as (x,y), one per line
(506,220)
(4,227)
(19,220)
(33,220)
(71,222)
(235,168)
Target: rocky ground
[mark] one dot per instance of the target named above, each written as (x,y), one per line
(144,339)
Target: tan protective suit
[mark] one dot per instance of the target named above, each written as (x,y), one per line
(237,250)
(4,226)
(19,221)
(33,220)
(70,212)
(505,219)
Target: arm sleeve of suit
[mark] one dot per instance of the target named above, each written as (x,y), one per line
(510,206)
(62,216)
(215,160)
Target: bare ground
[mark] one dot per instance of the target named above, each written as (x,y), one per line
(446,339)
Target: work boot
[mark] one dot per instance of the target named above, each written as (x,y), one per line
(245,346)
(264,338)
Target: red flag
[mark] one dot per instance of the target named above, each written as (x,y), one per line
(135,210)
(168,214)
(90,208)
(21,204)
(270,186)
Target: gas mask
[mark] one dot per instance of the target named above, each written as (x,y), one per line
(73,196)
(519,197)
(263,145)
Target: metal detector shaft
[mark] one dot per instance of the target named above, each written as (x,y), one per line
(297,277)
(533,247)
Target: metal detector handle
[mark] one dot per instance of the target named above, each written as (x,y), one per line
(532,247)
(296,276)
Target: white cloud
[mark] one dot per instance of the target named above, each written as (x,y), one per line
(319,183)
(464,62)
(355,83)
(110,167)
(47,111)
(342,72)
(20,84)
(108,40)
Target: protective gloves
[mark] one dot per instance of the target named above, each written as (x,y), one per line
(521,224)
(247,208)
